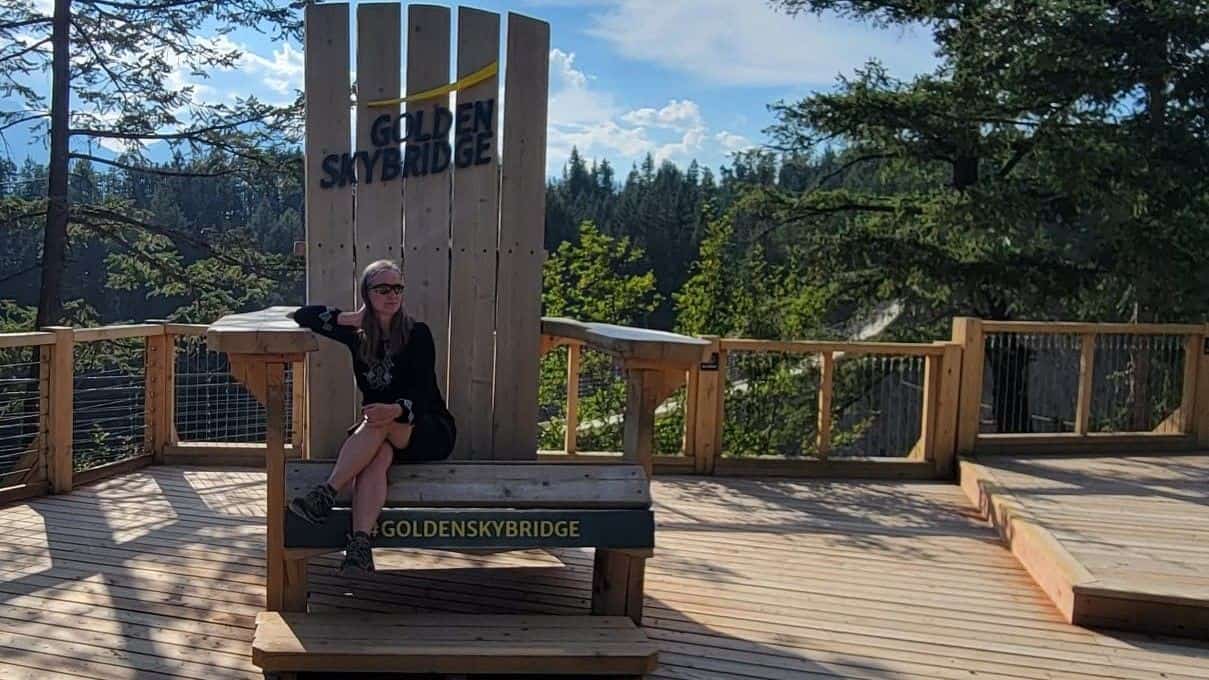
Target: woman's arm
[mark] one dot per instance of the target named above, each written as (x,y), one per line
(419,399)
(326,321)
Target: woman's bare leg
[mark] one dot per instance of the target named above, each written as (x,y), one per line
(369,494)
(399,435)
(356,453)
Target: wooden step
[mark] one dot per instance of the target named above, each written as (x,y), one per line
(451,643)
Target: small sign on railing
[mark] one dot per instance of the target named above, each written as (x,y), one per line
(712,364)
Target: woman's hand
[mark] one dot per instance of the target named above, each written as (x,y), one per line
(351,318)
(381,414)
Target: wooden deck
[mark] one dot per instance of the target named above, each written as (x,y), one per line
(1118,541)
(160,574)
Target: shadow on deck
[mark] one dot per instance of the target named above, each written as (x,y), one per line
(160,574)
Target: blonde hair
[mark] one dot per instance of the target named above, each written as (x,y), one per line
(376,344)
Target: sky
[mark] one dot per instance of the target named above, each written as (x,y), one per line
(679,79)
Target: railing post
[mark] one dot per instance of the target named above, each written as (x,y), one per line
(643,393)
(1200,406)
(968,333)
(569,443)
(59,430)
(711,385)
(46,356)
(688,445)
(925,449)
(298,406)
(826,379)
(158,359)
(1193,348)
(944,442)
(1087,372)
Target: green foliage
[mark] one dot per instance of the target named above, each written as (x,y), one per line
(735,289)
(595,278)
(1046,167)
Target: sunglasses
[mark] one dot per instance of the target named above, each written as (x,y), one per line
(384,288)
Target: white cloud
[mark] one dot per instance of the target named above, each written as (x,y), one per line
(732,142)
(678,114)
(689,144)
(749,43)
(589,119)
(572,99)
(283,73)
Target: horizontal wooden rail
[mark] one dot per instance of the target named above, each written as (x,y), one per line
(1075,328)
(185,329)
(142,330)
(14,340)
(838,347)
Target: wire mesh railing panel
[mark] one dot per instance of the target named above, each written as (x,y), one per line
(669,424)
(20,405)
(1138,383)
(770,406)
(877,406)
(602,396)
(1030,383)
(601,406)
(552,399)
(211,405)
(108,418)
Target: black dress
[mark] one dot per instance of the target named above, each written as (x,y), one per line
(407,378)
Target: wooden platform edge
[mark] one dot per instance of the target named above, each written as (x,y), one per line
(1080,597)
(295,653)
(1054,569)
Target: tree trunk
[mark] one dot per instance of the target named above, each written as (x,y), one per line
(1145,297)
(1139,375)
(54,244)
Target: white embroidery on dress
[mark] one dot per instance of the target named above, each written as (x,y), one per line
(326,317)
(379,376)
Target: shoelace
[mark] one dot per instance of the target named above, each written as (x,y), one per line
(359,550)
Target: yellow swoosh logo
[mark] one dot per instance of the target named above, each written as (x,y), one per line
(459,84)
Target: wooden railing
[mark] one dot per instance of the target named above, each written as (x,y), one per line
(958,410)
(929,454)
(49,462)
(1018,354)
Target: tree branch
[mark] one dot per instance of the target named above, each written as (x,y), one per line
(119,82)
(110,134)
(27,50)
(26,22)
(106,214)
(135,168)
(135,6)
(843,168)
(24,120)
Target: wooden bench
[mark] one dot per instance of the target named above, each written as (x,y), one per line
(495,506)
(287,643)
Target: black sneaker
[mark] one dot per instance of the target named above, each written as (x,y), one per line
(358,557)
(316,505)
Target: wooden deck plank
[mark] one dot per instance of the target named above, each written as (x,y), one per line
(751,578)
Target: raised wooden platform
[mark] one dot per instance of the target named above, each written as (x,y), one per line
(452,644)
(160,574)
(1115,541)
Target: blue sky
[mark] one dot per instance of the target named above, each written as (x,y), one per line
(680,79)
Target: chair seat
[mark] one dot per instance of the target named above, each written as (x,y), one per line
(502,485)
(451,643)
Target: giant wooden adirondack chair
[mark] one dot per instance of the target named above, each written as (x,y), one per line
(471,241)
